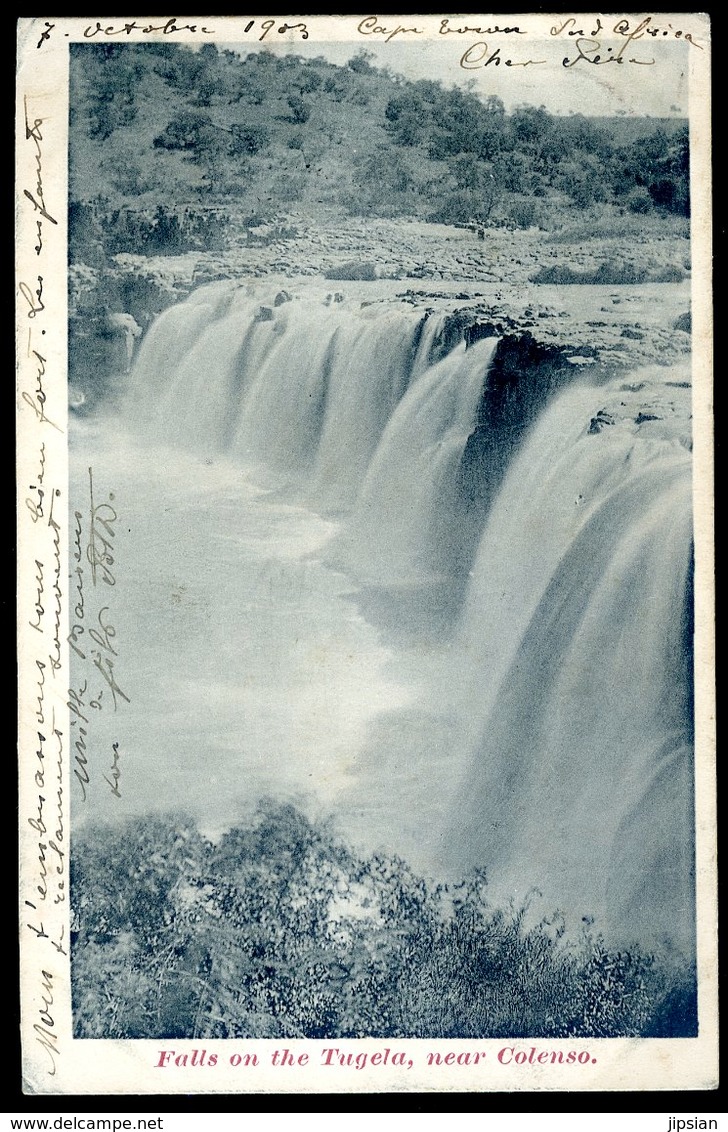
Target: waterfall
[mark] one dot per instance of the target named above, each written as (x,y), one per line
(567,673)
(409,518)
(576,705)
(295,390)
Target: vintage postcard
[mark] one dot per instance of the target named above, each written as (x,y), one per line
(365,554)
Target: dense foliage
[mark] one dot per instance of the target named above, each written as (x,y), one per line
(279,929)
(161,125)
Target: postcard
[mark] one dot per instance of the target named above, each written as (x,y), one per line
(365,554)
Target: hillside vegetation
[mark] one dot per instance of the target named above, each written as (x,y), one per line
(160,126)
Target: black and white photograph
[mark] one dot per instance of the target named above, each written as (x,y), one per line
(365,544)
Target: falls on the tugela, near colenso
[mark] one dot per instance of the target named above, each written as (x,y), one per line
(531,609)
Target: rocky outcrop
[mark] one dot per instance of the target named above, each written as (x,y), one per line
(523,376)
(104,304)
(481,286)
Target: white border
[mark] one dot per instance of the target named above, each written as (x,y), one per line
(55,1063)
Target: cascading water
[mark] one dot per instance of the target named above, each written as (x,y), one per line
(562,699)
(408,517)
(576,703)
(295,389)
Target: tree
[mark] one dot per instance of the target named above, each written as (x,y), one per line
(529,124)
(583,180)
(309,80)
(658,163)
(383,180)
(406,117)
(361,63)
(247,139)
(300,110)
(184,131)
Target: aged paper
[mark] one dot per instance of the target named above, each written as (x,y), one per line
(365,547)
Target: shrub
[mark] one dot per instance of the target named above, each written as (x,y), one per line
(670,274)
(639,200)
(280,930)
(247,139)
(457,208)
(610,273)
(300,110)
(353,269)
(183,131)
(361,63)
(525,212)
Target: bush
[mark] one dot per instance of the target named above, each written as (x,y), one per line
(610,274)
(280,930)
(457,208)
(183,131)
(247,139)
(670,274)
(353,269)
(639,200)
(525,212)
(582,180)
(300,110)
(361,63)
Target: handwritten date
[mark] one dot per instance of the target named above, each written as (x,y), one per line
(171,27)
(267,26)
